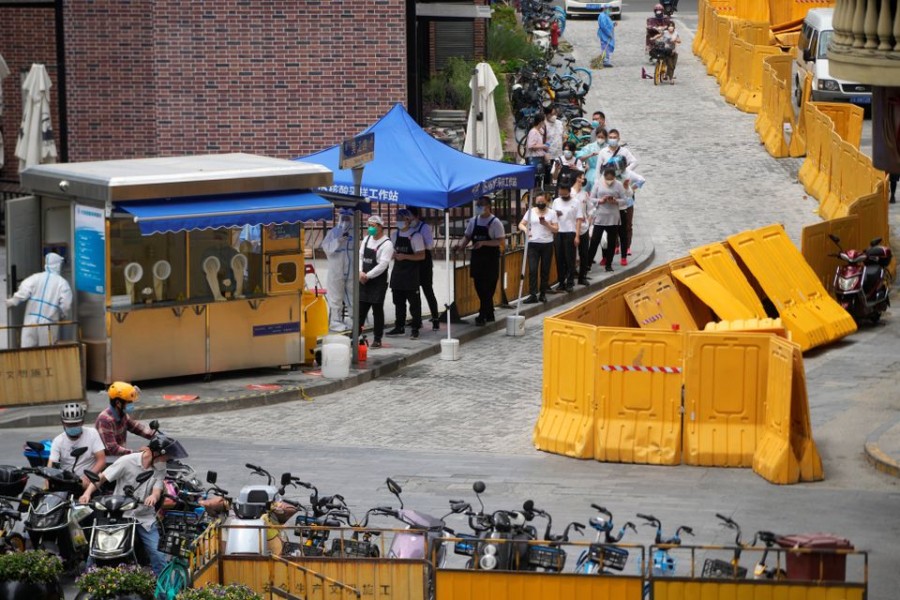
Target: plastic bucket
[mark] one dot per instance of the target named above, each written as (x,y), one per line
(336,360)
(336,339)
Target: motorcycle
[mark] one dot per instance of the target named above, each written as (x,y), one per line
(497,542)
(12,483)
(862,284)
(54,519)
(313,526)
(668,7)
(603,555)
(245,530)
(113,535)
(549,557)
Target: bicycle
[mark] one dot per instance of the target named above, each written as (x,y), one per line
(179,532)
(10,541)
(602,555)
(663,564)
(714,568)
(660,54)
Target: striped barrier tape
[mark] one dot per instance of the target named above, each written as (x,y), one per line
(640,369)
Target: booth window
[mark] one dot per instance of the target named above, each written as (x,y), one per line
(146,269)
(228,258)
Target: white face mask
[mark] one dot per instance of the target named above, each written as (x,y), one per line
(567,153)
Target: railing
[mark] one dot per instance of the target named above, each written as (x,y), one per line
(865,41)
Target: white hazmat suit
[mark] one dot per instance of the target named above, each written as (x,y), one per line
(338,247)
(49,299)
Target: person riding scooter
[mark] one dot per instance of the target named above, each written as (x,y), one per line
(658,22)
(75,435)
(114,423)
(124,472)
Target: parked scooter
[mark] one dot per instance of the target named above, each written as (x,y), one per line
(603,555)
(54,518)
(245,531)
(494,546)
(549,557)
(862,284)
(313,525)
(113,535)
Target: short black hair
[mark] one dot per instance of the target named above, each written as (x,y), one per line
(569,146)
(615,131)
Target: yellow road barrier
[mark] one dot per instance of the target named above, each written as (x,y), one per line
(766,325)
(738,78)
(722,43)
(638,418)
(478,585)
(658,305)
(752,10)
(816,246)
(750,100)
(725,304)
(798,145)
(786,12)
(775,109)
(718,261)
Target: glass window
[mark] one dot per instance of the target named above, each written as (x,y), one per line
(145,269)
(823,44)
(226,263)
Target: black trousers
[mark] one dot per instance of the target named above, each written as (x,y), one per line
(485,273)
(625,230)
(609,253)
(401,297)
(565,258)
(584,250)
(539,256)
(426,283)
(377,316)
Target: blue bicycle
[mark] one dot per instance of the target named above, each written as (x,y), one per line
(603,555)
(663,564)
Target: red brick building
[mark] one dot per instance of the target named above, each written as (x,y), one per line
(140,78)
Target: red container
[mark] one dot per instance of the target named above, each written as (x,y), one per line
(816,566)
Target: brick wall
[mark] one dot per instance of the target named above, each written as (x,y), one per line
(27,35)
(165,77)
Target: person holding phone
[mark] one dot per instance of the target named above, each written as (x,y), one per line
(570,215)
(609,195)
(540,224)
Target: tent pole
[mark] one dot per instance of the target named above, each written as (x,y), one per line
(525,255)
(450,295)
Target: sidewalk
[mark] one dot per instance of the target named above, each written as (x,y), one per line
(260,387)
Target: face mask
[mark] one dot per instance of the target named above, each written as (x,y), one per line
(405,225)
(613,142)
(609,181)
(601,141)
(659,15)
(73,432)
(565,198)
(541,205)
(551,118)
(567,153)
(159,467)
(372,230)
(480,209)
(345,223)
(129,408)
(595,124)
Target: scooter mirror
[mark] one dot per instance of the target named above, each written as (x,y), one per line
(478,487)
(154,425)
(211,477)
(78,451)
(35,446)
(144,476)
(528,506)
(875,241)
(92,477)
(129,490)
(285,479)
(394,487)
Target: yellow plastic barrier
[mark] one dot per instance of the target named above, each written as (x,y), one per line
(798,145)
(774,326)
(784,11)
(843,160)
(566,422)
(815,147)
(708,12)
(752,10)
(687,589)
(750,100)
(816,246)
(776,109)
(479,585)
(738,69)
(725,380)
(726,305)
(719,263)
(812,316)
(723,42)
(658,305)
(847,120)
(872,212)
(638,417)
(822,181)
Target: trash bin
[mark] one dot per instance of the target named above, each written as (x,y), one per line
(816,566)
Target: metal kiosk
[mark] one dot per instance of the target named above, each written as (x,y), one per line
(181,265)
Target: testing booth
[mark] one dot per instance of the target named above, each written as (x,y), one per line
(179,266)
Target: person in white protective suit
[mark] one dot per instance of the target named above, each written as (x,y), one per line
(338,247)
(49,299)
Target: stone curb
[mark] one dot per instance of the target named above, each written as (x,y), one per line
(876,456)
(289,393)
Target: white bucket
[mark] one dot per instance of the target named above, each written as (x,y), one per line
(336,339)
(515,325)
(335,360)
(449,349)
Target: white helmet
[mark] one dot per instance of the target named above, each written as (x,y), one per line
(72,414)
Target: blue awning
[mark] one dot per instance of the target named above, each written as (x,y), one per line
(236,210)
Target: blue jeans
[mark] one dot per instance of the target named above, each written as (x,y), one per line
(150,541)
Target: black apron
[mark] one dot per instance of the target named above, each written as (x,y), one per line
(374,290)
(405,276)
(426,267)
(485,260)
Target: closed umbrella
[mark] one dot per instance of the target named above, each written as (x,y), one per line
(35,144)
(4,72)
(483,131)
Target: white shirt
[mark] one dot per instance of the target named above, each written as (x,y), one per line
(587,207)
(124,472)
(606,153)
(555,131)
(495,230)
(424,229)
(567,211)
(539,233)
(62,446)
(383,255)
(418,244)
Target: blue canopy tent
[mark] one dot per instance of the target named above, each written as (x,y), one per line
(412,168)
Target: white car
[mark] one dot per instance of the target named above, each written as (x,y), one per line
(575,8)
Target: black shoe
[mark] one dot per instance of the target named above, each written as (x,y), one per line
(489,319)
(570,288)
(376,344)
(435,324)
(396,331)
(583,281)
(479,321)
(893,200)
(532,299)
(609,269)
(414,335)
(542,298)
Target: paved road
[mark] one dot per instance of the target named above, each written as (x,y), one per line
(438,426)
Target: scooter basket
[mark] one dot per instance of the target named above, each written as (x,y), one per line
(611,557)
(466,545)
(659,51)
(547,557)
(714,568)
(12,481)
(176,543)
(352,549)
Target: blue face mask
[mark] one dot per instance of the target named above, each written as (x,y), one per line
(73,431)
(595,124)
(129,408)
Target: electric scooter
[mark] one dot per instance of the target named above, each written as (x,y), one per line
(113,535)
(862,285)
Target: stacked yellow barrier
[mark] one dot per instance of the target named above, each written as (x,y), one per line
(719,61)
(776,108)
(752,10)
(750,100)
(785,11)
(798,135)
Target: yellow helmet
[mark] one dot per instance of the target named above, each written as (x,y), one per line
(125,392)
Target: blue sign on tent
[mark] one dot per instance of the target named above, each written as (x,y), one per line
(357,151)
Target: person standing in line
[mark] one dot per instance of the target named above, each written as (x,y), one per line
(566,164)
(426,275)
(583,197)
(588,156)
(338,247)
(486,233)
(540,224)
(375,255)
(570,216)
(536,147)
(607,156)
(48,300)
(609,196)
(555,130)
(409,251)
(606,31)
